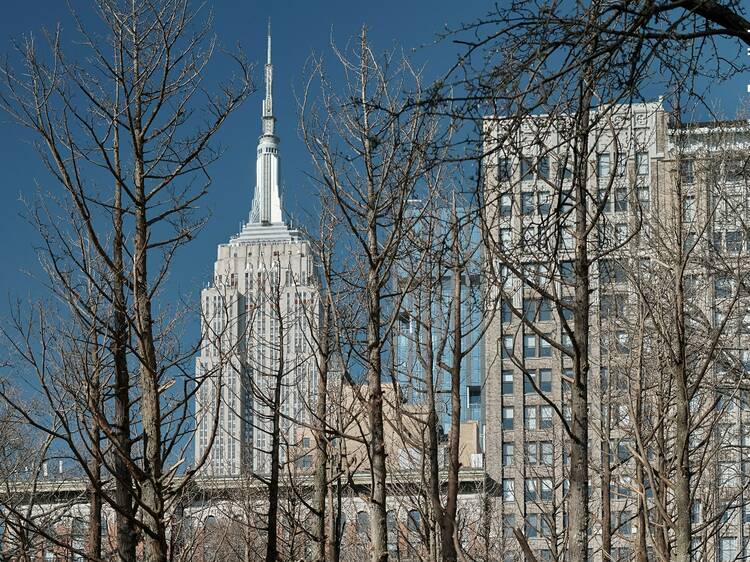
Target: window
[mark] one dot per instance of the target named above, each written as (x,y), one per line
(509,490)
(506,238)
(532,453)
(687,174)
(526,171)
(545,348)
(643,193)
(728,551)
(543,167)
(508,449)
(728,474)
(545,489)
(507,346)
(611,271)
(545,417)
(641,163)
(537,309)
(567,272)
(506,315)
(363,523)
(696,513)
(622,164)
(545,380)
(688,208)
(530,490)
(528,381)
(621,199)
(509,523)
(733,241)
(529,345)
(503,169)
(507,382)
(621,232)
(563,169)
(544,201)
(413,520)
(604,200)
(530,417)
(506,205)
(527,203)
(532,525)
(545,452)
(602,165)
(507,417)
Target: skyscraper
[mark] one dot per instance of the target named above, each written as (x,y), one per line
(255,368)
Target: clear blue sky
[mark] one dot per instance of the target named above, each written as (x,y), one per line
(299,27)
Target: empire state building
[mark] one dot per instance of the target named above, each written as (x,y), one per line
(256,370)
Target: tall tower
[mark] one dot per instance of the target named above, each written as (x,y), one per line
(258,316)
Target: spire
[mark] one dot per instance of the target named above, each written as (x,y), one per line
(266,200)
(268,119)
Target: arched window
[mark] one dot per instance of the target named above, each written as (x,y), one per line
(363,523)
(413,520)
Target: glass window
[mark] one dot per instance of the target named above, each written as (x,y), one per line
(621,199)
(532,453)
(506,238)
(412,520)
(545,489)
(545,450)
(728,551)
(526,170)
(604,200)
(545,416)
(622,163)
(688,208)
(507,382)
(507,350)
(508,449)
(621,232)
(528,380)
(545,380)
(503,169)
(641,163)
(529,345)
(687,174)
(527,203)
(509,490)
(532,525)
(506,205)
(543,167)
(506,315)
(363,522)
(602,165)
(530,489)
(733,241)
(530,417)
(507,417)
(530,307)
(545,348)
(544,200)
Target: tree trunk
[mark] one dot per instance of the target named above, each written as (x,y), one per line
(123,500)
(448,527)
(578,502)
(321,440)
(272,521)
(155,539)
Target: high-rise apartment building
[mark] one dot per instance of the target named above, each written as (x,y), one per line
(668,209)
(429,313)
(258,316)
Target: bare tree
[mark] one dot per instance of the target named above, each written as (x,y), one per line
(130,115)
